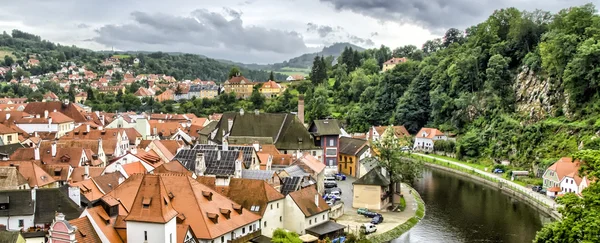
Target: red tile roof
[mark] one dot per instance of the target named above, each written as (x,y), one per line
(305,200)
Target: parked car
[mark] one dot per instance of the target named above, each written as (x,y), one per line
(368,228)
(330,182)
(542,191)
(498,171)
(377,219)
(536,188)
(362,210)
(340,177)
(370,214)
(333,190)
(340,239)
(330,202)
(332,197)
(405,148)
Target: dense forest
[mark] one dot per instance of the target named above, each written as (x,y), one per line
(181,66)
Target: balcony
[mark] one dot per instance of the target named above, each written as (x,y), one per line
(246,238)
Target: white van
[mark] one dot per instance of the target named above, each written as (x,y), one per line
(330,182)
(368,228)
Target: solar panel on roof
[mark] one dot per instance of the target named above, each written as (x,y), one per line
(289,184)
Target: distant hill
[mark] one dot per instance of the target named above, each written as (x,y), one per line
(300,64)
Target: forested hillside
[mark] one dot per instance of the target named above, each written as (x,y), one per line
(520,86)
(181,66)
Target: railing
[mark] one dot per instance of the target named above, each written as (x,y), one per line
(246,238)
(535,198)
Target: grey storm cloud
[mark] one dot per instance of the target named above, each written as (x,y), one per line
(200,29)
(363,41)
(441,14)
(322,30)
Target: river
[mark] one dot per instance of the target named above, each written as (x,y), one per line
(461,210)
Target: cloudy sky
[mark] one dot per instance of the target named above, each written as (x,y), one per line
(251,31)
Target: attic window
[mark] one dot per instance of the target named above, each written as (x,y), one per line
(81,233)
(207,195)
(146,202)
(255,208)
(213,217)
(225,212)
(171,196)
(237,208)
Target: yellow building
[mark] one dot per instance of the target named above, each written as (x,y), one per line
(81,97)
(240,85)
(8,135)
(271,89)
(352,150)
(372,190)
(390,64)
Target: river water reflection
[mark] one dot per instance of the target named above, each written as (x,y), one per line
(460,210)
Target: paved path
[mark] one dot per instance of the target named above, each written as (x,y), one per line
(353,221)
(542,198)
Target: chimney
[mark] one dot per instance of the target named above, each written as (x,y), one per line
(59,217)
(7,116)
(36,152)
(46,114)
(154,131)
(229,124)
(87,128)
(86,174)
(301,108)
(219,155)
(134,151)
(100,128)
(256,146)
(225,144)
(54,149)
(49,120)
(317,199)
(75,195)
(200,164)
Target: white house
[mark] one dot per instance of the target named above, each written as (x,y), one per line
(563,177)
(17,209)
(305,209)
(426,137)
(51,122)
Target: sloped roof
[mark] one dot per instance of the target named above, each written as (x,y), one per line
(396,60)
(239,80)
(352,146)
(69,110)
(258,174)
(9,236)
(311,162)
(152,202)
(325,127)
(305,200)
(262,194)
(399,131)
(565,166)
(85,231)
(19,203)
(285,129)
(373,177)
(10,178)
(430,132)
(173,166)
(6,130)
(32,172)
(51,200)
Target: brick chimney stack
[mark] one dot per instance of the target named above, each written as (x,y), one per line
(301,108)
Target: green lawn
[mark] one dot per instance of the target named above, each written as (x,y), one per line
(477,166)
(294,71)
(121,56)
(6,52)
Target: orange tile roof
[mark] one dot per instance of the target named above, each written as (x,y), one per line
(30,170)
(189,200)
(431,133)
(399,131)
(305,199)
(85,231)
(311,162)
(152,202)
(173,166)
(6,130)
(565,166)
(396,60)
(98,215)
(134,168)
(164,129)
(69,110)
(77,174)
(89,189)
(270,85)
(262,193)
(239,80)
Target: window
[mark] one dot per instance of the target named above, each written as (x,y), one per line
(271,206)
(171,238)
(280,218)
(250,229)
(323,216)
(277,205)
(331,142)
(145,235)
(314,153)
(265,224)
(243,230)
(309,222)
(21,223)
(331,152)
(9,138)
(222,238)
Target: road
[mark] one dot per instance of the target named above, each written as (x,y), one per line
(542,198)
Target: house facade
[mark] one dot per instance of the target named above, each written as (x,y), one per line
(426,137)
(51,122)
(241,86)
(390,64)
(270,89)
(352,150)
(326,135)
(563,177)
(372,190)
(305,209)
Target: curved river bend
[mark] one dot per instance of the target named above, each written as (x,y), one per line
(461,210)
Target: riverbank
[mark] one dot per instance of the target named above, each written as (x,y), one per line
(394,223)
(522,193)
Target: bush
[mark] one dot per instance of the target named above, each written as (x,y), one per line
(402,204)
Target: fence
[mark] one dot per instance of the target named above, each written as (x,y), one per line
(537,200)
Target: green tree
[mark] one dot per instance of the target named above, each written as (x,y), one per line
(498,84)
(8,61)
(387,154)
(580,220)
(283,236)
(370,66)
(317,107)
(271,76)
(318,73)
(90,94)
(257,99)
(234,72)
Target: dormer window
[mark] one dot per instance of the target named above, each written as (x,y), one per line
(146,202)
(207,195)
(237,208)
(213,217)
(226,213)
